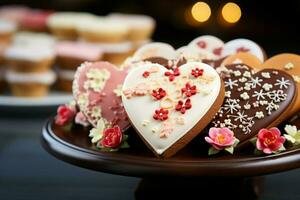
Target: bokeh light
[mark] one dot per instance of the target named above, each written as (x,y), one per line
(231,12)
(201,11)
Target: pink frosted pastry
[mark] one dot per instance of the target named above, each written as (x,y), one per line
(35,20)
(71,54)
(97,91)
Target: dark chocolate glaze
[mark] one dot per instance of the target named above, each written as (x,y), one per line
(169,64)
(273,118)
(214,63)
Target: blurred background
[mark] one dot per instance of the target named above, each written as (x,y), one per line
(272,24)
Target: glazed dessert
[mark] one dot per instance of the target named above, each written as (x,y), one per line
(169,112)
(35,20)
(7,29)
(102,30)
(141,27)
(65,79)
(30,59)
(29,84)
(71,54)
(242,57)
(208,43)
(63,24)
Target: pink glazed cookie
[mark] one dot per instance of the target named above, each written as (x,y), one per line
(97,91)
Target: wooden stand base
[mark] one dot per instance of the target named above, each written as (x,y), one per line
(203,188)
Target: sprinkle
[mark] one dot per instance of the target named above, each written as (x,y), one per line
(145,122)
(244,96)
(228,94)
(259,115)
(154,129)
(296,78)
(146,74)
(267,86)
(237,73)
(265,74)
(247,74)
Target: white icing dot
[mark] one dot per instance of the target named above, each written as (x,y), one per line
(267,86)
(265,74)
(289,66)
(259,114)
(247,74)
(244,96)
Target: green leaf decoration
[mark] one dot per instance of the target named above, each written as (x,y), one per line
(253,141)
(212,151)
(236,141)
(229,149)
(124,145)
(257,152)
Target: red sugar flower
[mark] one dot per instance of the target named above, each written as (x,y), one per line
(171,75)
(65,114)
(161,114)
(112,137)
(146,74)
(159,94)
(217,51)
(182,107)
(197,72)
(269,140)
(189,90)
(201,44)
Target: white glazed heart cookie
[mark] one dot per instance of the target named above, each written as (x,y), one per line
(169,108)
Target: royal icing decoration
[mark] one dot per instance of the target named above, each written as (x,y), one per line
(169,108)
(265,97)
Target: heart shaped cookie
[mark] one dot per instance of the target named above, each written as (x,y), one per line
(209,43)
(290,63)
(243,45)
(97,92)
(254,100)
(169,108)
(242,58)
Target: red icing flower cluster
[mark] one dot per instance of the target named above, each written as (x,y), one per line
(112,137)
(189,90)
(201,44)
(182,107)
(197,72)
(146,74)
(159,94)
(161,114)
(172,75)
(217,51)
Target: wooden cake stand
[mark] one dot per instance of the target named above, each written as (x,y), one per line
(190,172)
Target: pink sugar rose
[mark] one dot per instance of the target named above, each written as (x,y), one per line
(269,141)
(65,114)
(112,137)
(81,119)
(220,138)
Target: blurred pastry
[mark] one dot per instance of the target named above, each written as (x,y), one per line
(116,53)
(65,79)
(7,29)
(71,54)
(141,27)
(30,84)
(35,20)
(30,39)
(102,30)
(29,59)
(63,24)
(13,12)
(208,43)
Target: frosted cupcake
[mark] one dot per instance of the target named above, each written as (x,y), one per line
(71,54)
(30,84)
(29,59)
(29,39)
(65,79)
(102,30)
(13,12)
(7,29)
(35,20)
(141,27)
(63,24)
(116,53)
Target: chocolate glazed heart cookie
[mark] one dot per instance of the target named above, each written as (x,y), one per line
(254,100)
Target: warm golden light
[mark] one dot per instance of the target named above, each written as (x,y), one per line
(231,12)
(201,11)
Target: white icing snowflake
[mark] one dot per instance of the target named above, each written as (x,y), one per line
(255,82)
(277,96)
(231,105)
(259,95)
(283,83)
(240,116)
(230,83)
